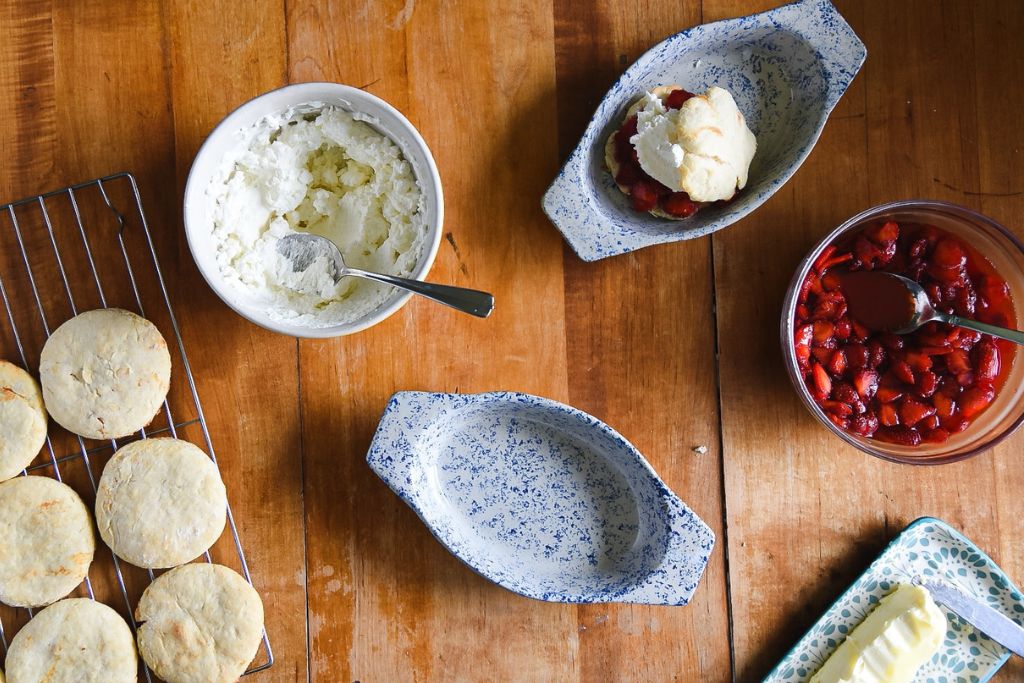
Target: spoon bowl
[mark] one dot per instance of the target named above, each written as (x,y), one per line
(303,250)
(892,303)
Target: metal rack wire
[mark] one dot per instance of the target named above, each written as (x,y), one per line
(78,203)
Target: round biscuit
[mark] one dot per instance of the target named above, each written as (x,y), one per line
(160,503)
(22,433)
(73,641)
(20,382)
(199,623)
(105,373)
(46,541)
(612,163)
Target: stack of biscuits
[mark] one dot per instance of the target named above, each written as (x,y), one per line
(160,504)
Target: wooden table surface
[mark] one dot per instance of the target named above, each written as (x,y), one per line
(675,346)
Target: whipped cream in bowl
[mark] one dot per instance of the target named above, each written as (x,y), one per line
(320,158)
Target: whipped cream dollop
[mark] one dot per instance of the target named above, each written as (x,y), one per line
(330,174)
(704,148)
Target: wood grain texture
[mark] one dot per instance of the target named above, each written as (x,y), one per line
(386,601)
(218,55)
(803,509)
(501,92)
(641,356)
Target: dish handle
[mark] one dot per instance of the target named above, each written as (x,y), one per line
(394,454)
(842,51)
(675,578)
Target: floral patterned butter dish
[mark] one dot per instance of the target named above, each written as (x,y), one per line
(540,498)
(928,548)
(786,69)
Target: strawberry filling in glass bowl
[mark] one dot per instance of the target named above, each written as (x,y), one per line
(923,386)
(937,394)
(645,192)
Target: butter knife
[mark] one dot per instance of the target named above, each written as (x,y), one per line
(992,623)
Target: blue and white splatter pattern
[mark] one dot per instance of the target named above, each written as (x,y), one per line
(928,547)
(786,68)
(540,498)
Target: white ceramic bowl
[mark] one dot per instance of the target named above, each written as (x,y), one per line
(384,117)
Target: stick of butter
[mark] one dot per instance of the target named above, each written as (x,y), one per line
(901,634)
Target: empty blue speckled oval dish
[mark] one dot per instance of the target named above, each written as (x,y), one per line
(540,498)
(786,68)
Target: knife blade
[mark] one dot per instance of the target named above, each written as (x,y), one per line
(992,623)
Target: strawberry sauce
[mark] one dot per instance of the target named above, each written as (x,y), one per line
(906,389)
(880,303)
(644,191)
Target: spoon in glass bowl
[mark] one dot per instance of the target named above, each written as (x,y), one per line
(303,249)
(892,303)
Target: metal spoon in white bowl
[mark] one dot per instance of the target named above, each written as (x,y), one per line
(303,249)
(892,303)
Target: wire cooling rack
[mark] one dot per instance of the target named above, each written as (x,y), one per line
(73,250)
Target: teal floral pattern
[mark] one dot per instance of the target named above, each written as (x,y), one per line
(928,547)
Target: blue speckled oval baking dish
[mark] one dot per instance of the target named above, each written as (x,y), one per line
(786,68)
(541,498)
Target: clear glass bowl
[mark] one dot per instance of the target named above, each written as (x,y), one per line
(998,245)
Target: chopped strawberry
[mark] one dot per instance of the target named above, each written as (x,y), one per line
(676,98)
(678,204)
(845,392)
(837,363)
(830,281)
(860,333)
(877,354)
(965,302)
(986,361)
(822,382)
(856,355)
(866,383)
(891,341)
(888,394)
(887,415)
(944,405)
(822,354)
(937,435)
(864,425)
(957,362)
(837,408)
(967,339)
(949,254)
(902,370)
(975,400)
(823,330)
(841,422)
(843,329)
(866,251)
(917,249)
(912,411)
(918,362)
(883,234)
(927,383)
(644,196)
(955,423)
(823,257)
(949,387)
(835,261)
(904,436)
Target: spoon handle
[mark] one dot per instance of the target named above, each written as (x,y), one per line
(1015,336)
(469,301)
